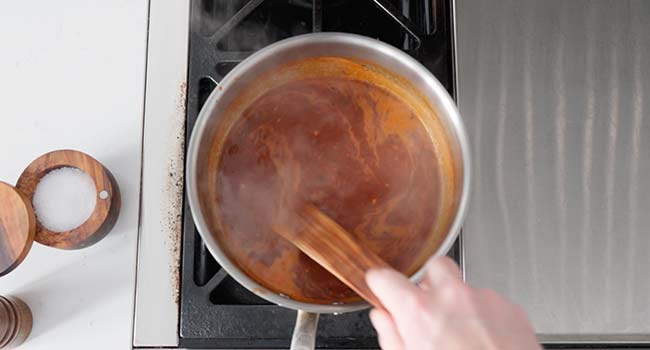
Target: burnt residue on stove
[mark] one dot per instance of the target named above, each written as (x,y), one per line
(173,190)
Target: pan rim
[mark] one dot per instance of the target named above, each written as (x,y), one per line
(446,106)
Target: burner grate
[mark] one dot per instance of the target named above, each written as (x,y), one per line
(215,311)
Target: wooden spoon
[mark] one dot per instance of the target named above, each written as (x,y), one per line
(327,243)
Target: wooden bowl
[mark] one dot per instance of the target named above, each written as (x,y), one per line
(106,209)
(17,227)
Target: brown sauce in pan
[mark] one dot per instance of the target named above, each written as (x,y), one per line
(353,149)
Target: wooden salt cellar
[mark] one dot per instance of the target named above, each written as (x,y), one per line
(15,322)
(106,210)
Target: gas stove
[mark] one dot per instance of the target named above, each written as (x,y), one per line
(215,311)
(554,108)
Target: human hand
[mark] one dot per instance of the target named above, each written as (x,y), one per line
(445,313)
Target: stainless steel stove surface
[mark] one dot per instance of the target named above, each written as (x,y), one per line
(215,311)
(554,97)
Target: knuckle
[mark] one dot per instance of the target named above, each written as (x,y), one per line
(448,294)
(414,301)
(446,263)
(454,293)
(489,294)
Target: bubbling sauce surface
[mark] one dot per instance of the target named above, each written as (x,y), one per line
(354,150)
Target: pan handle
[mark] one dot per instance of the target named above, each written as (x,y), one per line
(304,334)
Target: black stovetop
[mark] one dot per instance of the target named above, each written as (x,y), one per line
(215,311)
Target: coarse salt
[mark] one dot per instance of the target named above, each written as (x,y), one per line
(64,199)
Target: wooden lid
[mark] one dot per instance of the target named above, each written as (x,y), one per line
(17,228)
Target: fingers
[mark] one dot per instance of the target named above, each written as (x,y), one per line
(389,338)
(441,271)
(411,310)
(445,313)
(403,300)
(390,287)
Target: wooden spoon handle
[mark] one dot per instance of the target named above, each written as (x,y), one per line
(326,242)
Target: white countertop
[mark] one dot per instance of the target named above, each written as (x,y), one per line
(73,77)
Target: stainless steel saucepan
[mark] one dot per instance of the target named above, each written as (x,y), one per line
(457,178)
